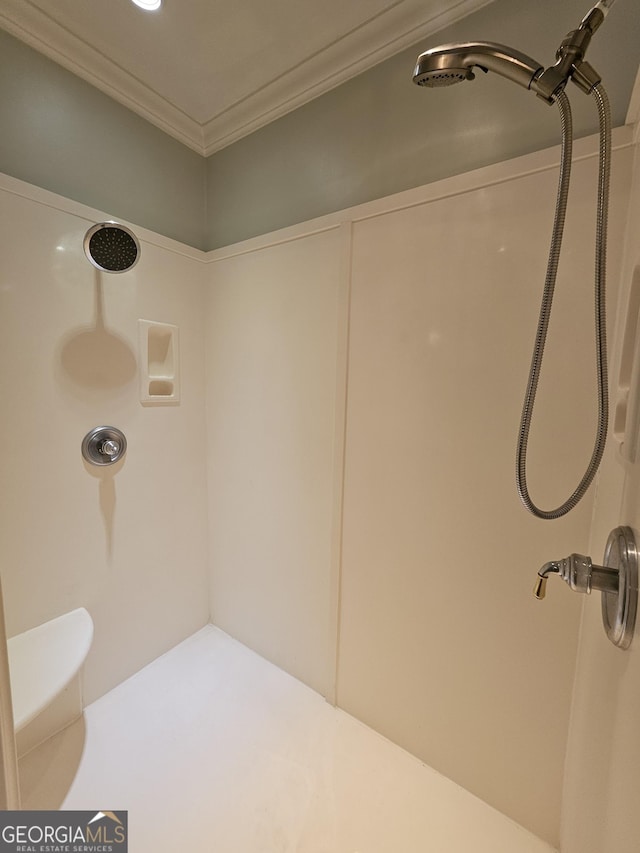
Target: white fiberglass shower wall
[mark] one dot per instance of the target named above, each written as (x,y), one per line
(363,376)
(602,771)
(416,576)
(129,546)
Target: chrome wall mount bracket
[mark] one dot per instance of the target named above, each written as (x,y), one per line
(104,445)
(617,580)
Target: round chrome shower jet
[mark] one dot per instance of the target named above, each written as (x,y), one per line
(111,247)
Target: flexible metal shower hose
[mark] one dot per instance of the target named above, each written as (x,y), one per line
(547,298)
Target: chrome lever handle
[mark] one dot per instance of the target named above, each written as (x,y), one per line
(580,574)
(110,448)
(540,589)
(617,580)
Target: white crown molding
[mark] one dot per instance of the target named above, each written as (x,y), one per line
(377,39)
(32,26)
(373,42)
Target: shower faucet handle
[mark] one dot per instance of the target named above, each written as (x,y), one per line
(540,589)
(617,580)
(104,445)
(580,573)
(110,448)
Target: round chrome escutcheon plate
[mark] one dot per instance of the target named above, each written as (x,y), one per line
(619,608)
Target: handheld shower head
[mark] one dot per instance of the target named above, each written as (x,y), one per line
(452,63)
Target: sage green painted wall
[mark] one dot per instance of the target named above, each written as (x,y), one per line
(61,133)
(379,134)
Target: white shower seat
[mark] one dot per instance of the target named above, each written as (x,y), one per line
(45,664)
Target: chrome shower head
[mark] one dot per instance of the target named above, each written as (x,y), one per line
(452,63)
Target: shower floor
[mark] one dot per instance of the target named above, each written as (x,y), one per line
(211,748)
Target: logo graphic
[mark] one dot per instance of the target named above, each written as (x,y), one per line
(111,815)
(63,832)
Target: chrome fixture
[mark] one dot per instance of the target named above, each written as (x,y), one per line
(451,63)
(617,580)
(111,247)
(104,445)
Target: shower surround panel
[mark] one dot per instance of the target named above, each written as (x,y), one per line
(129,546)
(432,297)
(603,773)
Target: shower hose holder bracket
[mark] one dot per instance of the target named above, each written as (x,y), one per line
(570,63)
(617,581)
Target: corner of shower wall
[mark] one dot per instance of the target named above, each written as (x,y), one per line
(272,327)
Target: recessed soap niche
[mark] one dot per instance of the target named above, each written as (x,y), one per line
(159,363)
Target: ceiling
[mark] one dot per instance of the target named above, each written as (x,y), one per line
(209,72)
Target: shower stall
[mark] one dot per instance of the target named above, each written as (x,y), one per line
(309,576)
(330,466)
